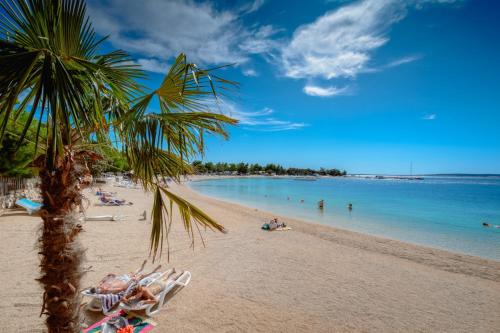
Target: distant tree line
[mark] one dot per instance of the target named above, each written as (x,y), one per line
(256,169)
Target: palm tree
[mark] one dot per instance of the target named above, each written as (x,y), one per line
(81,100)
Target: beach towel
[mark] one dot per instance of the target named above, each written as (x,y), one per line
(108,301)
(140,324)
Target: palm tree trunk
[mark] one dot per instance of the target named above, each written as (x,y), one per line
(61,254)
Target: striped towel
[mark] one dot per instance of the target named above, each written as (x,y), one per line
(141,325)
(108,301)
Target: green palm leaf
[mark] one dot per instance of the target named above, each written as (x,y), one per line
(51,69)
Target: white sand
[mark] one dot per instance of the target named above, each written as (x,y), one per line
(310,279)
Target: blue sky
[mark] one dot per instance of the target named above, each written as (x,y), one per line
(367,86)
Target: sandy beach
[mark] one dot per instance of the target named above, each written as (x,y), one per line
(311,279)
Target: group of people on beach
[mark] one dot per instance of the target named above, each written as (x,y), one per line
(108,198)
(273,225)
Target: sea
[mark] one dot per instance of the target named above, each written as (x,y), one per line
(445,212)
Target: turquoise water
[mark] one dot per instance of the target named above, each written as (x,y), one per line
(442,212)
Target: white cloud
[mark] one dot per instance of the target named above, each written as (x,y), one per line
(394,63)
(431,116)
(261,120)
(325,91)
(250,72)
(153,65)
(262,41)
(403,60)
(419,4)
(252,6)
(159,30)
(340,43)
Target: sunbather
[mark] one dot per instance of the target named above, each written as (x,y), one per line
(146,295)
(113,284)
(113,201)
(273,224)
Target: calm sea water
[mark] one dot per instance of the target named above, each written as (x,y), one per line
(442,212)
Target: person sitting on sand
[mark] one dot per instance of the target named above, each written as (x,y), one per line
(273,224)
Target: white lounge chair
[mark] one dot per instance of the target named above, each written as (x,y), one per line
(96,304)
(106,218)
(30,206)
(161,298)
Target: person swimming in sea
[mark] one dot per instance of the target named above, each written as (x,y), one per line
(349,206)
(489,225)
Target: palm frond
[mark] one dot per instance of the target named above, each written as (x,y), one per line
(191,217)
(49,51)
(158,145)
(54,75)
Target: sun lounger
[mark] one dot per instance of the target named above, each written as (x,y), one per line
(142,217)
(106,218)
(98,300)
(107,302)
(30,206)
(127,184)
(161,298)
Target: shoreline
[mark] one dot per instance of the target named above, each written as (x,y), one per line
(382,245)
(199,178)
(313,278)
